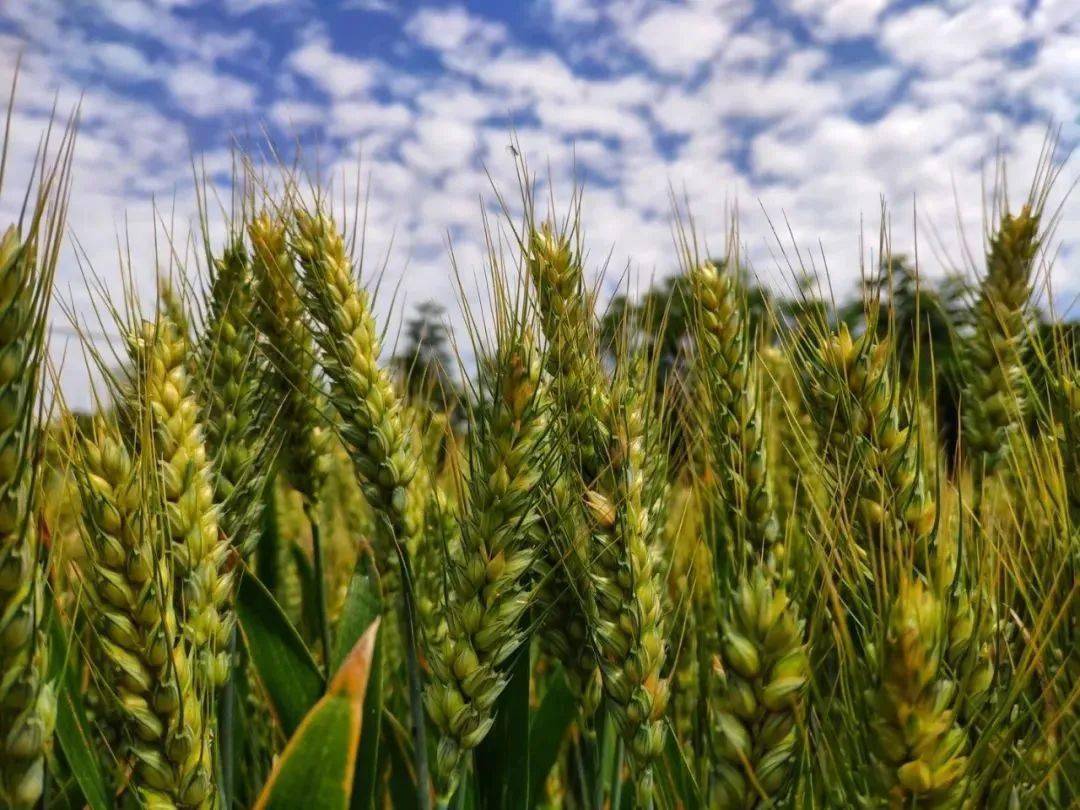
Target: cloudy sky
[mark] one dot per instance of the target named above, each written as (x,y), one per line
(803,113)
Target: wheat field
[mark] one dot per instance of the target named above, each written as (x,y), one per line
(699,546)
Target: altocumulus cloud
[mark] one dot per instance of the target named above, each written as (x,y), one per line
(802,112)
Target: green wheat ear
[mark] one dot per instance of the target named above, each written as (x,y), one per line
(994,397)
(500,541)
(922,748)
(760,697)
(287,346)
(144,661)
(373,426)
(236,419)
(27,707)
(729,374)
(607,442)
(871,438)
(205,580)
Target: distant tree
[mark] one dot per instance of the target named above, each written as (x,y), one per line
(425,364)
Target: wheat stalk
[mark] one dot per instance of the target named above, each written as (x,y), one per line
(373,427)
(610,440)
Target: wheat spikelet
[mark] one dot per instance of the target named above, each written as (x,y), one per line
(923,750)
(280,320)
(144,663)
(764,673)
(26,702)
(198,549)
(994,401)
(730,383)
(500,540)
(234,433)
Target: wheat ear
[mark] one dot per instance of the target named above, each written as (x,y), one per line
(501,538)
(765,670)
(610,436)
(729,374)
(994,399)
(235,418)
(202,567)
(287,346)
(144,660)
(27,705)
(923,749)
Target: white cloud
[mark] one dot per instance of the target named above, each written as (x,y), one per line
(336,74)
(934,41)
(839,19)
(453,28)
(291,114)
(204,92)
(124,61)
(678,39)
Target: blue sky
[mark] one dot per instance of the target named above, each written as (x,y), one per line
(803,114)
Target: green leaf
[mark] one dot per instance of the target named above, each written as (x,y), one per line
(309,601)
(363,605)
(290,676)
(502,758)
(547,730)
(73,731)
(396,756)
(318,765)
(676,779)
